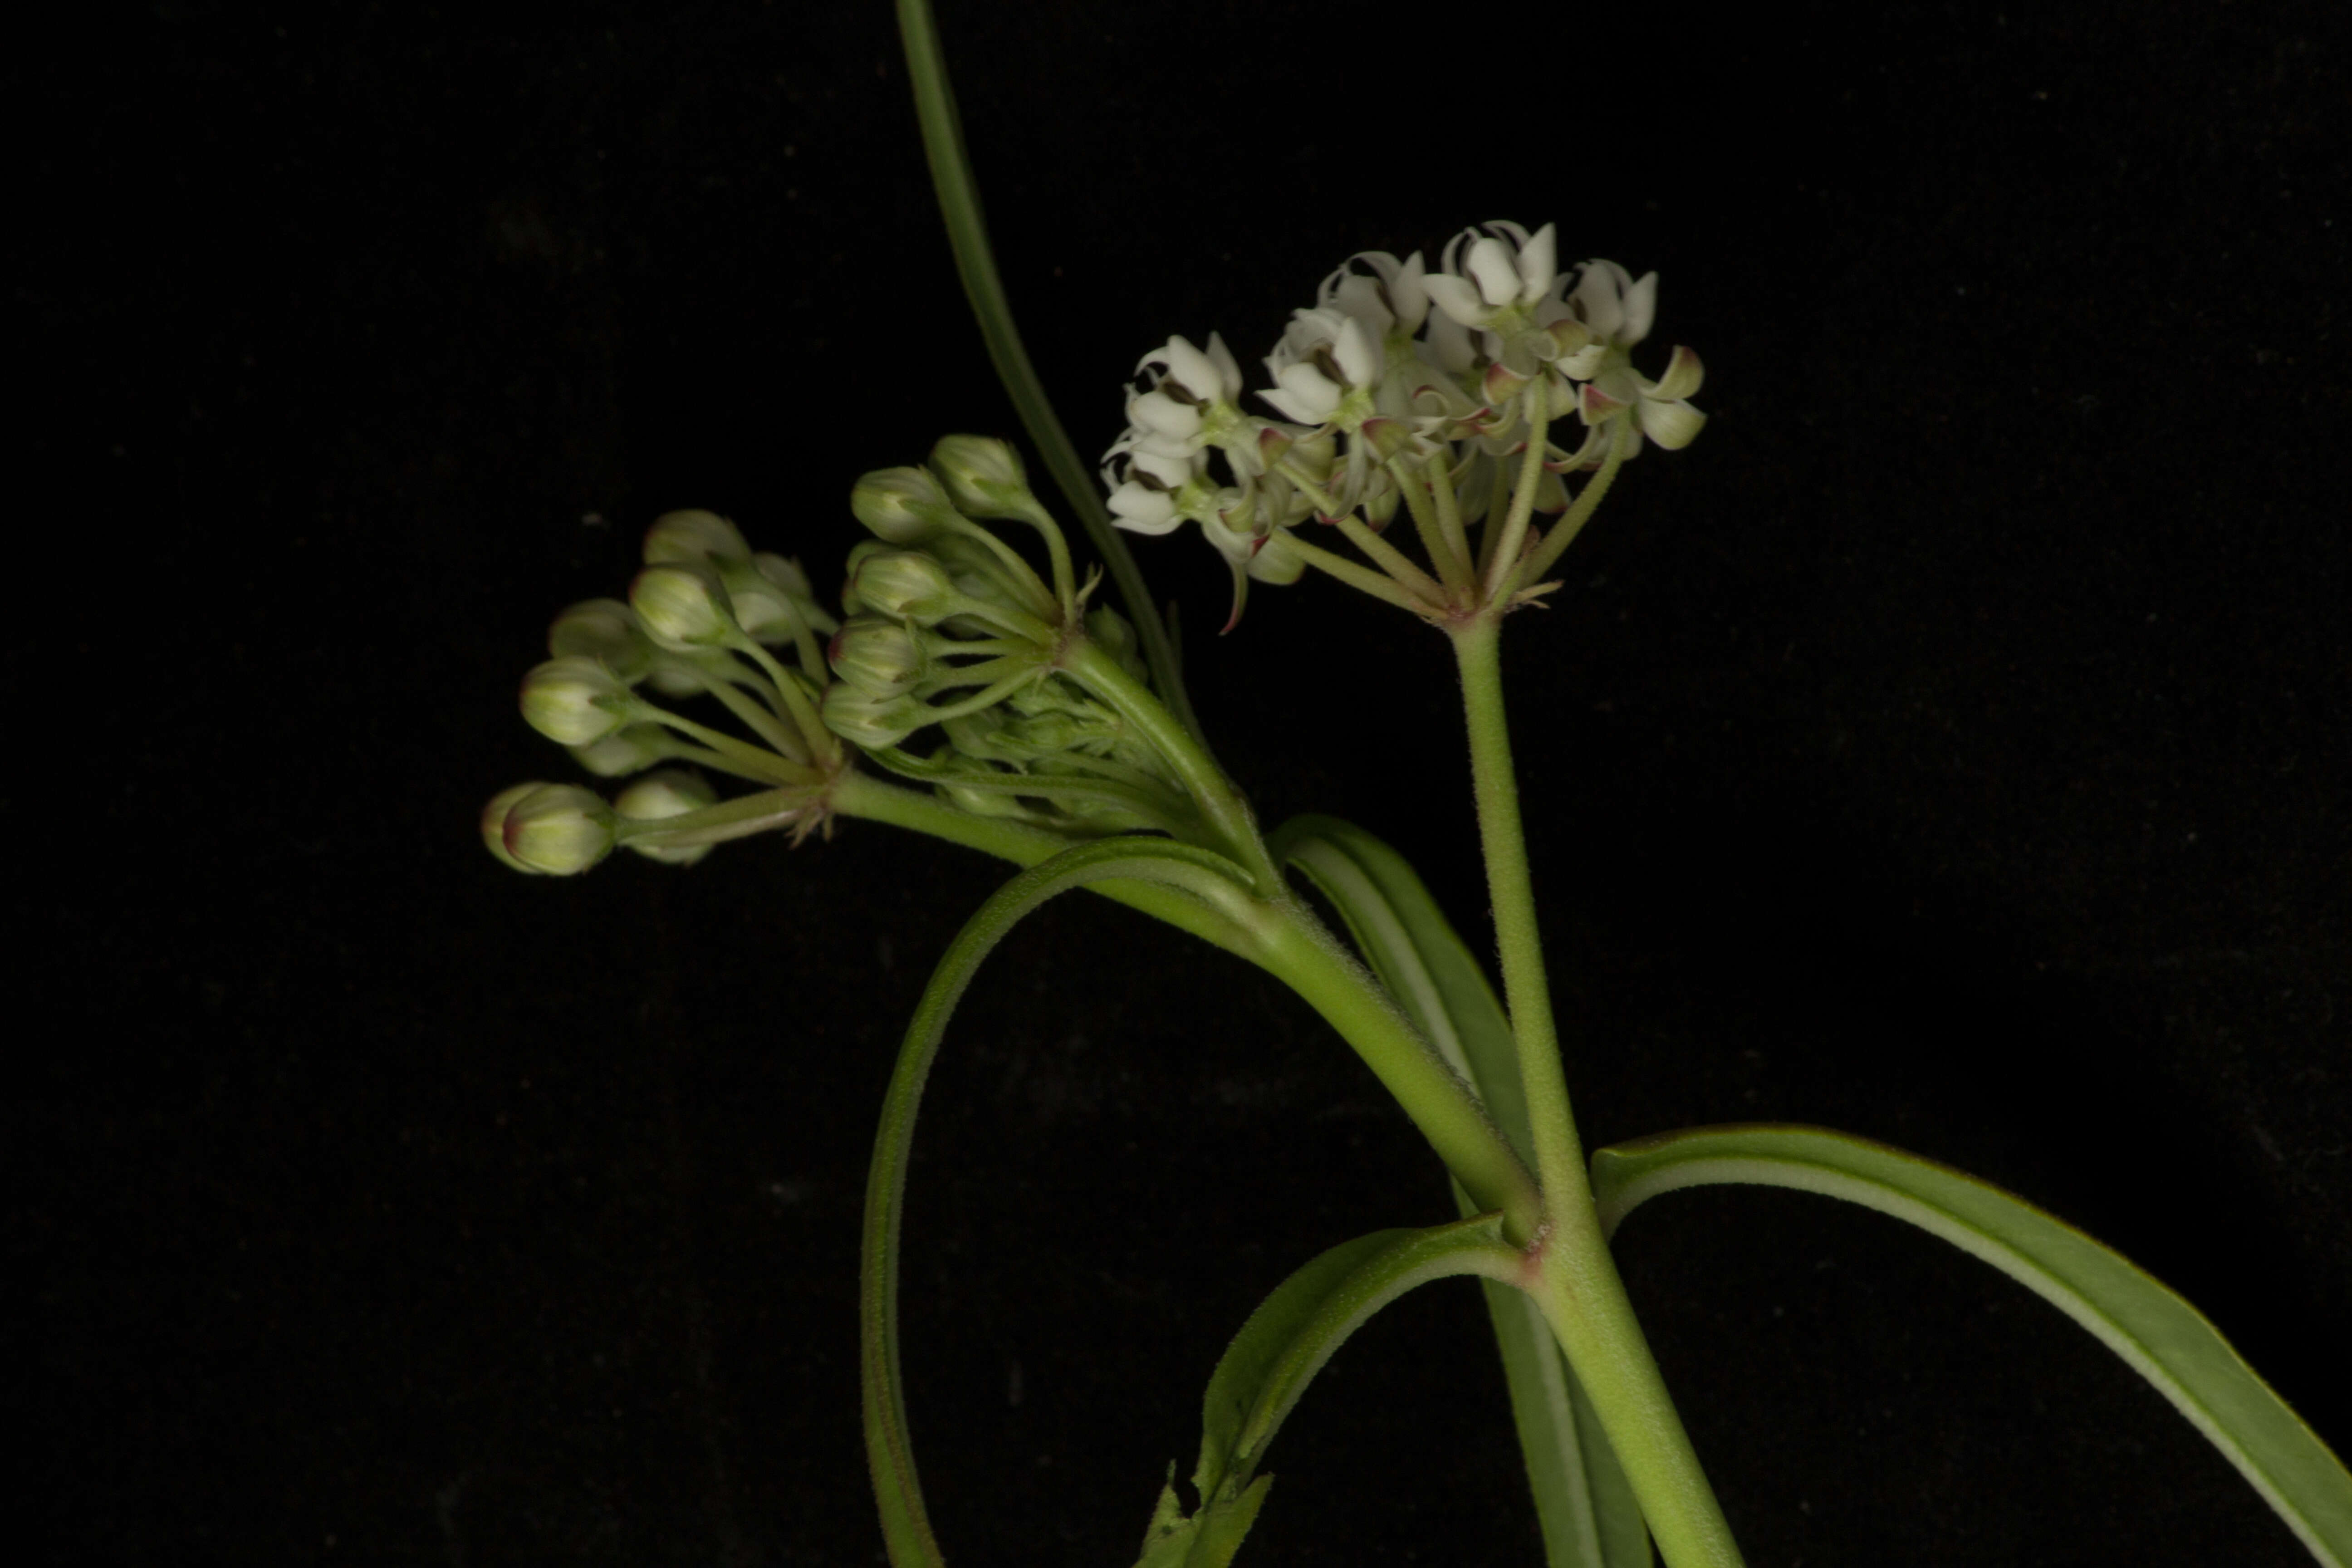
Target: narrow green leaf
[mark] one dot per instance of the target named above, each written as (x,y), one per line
(1583,1501)
(1276,1354)
(889,1453)
(958,197)
(2160,1336)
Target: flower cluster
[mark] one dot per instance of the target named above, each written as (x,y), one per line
(1405,385)
(701,619)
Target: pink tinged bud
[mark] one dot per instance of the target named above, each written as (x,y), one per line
(559,829)
(494,824)
(575,701)
(877,656)
(695,536)
(982,476)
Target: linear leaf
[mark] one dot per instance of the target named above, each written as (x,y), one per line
(1267,1367)
(2161,1336)
(889,1453)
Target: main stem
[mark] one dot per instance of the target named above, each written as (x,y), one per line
(1577,1284)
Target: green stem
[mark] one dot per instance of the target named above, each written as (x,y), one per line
(1523,499)
(1563,533)
(1577,1285)
(958,197)
(1379,585)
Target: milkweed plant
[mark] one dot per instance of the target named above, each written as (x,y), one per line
(1434,436)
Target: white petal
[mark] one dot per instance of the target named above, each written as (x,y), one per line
(1195,371)
(1158,412)
(1229,374)
(1313,389)
(1672,426)
(1360,296)
(1140,509)
(1497,274)
(1539,265)
(1359,354)
(1584,362)
(1455,298)
(1293,407)
(1449,339)
(1641,306)
(1407,295)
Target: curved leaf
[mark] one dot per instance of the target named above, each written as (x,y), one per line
(1285,1343)
(2162,1337)
(906,1528)
(1583,1502)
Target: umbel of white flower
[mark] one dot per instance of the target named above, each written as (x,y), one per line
(1401,384)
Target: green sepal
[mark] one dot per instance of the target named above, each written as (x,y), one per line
(2158,1335)
(1267,1367)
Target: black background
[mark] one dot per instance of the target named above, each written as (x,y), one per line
(1950,746)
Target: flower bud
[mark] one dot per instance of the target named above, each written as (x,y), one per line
(877,656)
(625,752)
(575,701)
(983,477)
(672,792)
(559,829)
(603,629)
(982,802)
(682,606)
(1116,637)
(909,585)
(494,823)
(698,536)
(875,723)
(905,506)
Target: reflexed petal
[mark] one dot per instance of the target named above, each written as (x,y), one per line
(1672,426)
(1168,469)
(1234,544)
(1598,404)
(1229,373)
(1584,364)
(1195,371)
(1140,509)
(1359,354)
(1449,339)
(1158,412)
(1497,274)
(1683,374)
(1361,297)
(1275,562)
(1454,297)
(1407,295)
(1539,265)
(1308,388)
(1641,308)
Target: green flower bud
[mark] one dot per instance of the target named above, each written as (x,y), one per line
(575,701)
(559,829)
(682,606)
(906,584)
(1116,637)
(703,537)
(873,722)
(602,630)
(672,792)
(625,752)
(880,657)
(982,802)
(494,823)
(983,477)
(905,506)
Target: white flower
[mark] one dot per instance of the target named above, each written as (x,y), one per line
(1617,308)
(1510,272)
(1325,368)
(1393,301)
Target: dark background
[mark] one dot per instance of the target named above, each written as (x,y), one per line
(1950,746)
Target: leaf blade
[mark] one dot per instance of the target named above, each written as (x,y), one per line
(2154,1330)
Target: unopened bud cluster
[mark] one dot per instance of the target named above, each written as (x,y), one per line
(701,620)
(1407,386)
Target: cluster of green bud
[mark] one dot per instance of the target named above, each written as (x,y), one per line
(949,628)
(704,618)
